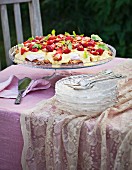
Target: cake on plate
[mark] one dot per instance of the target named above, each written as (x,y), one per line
(62,49)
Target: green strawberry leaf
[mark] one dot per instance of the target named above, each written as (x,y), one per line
(70,46)
(63,42)
(66,33)
(103,46)
(85,54)
(31,38)
(95,37)
(47,37)
(37,46)
(53,32)
(20,45)
(74,34)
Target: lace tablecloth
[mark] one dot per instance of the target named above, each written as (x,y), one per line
(56,140)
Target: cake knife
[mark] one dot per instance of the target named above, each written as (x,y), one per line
(22,86)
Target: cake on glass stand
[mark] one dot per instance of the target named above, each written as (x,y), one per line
(62,53)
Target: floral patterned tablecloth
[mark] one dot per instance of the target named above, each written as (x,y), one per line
(58,140)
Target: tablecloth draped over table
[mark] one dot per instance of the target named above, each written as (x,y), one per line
(58,140)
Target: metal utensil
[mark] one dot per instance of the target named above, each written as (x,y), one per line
(88,77)
(22,86)
(90,83)
(49,76)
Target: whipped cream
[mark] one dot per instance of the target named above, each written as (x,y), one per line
(32,56)
(74,56)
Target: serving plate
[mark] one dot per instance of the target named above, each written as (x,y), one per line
(89,101)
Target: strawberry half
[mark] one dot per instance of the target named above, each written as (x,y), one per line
(78,38)
(57,40)
(61,36)
(34,50)
(84,43)
(80,48)
(38,38)
(97,52)
(34,40)
(91,43)
(100,51)
(26,42)
(57,57)
(49,42)
(59,50)
(52,37)
(43,46)
(23,50)
(30,46)
(50,48)
(66,51)
(69,38)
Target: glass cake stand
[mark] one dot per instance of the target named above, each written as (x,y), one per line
(67,68)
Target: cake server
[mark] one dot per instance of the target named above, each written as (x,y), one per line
(84,77)
(90,83)
(22,86)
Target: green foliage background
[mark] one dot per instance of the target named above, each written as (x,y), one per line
(110,19)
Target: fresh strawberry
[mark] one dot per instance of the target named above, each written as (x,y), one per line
(52,37)
(66,51)
(80,48)
(59,50)
(74,45)
(97,51)
(34,50)
(57,57)
(61,36)
(91,43)
(43,46)
(49,42)
(94,52)
(38,38)
(100,51)
(50,48)
(26,43)
(34,40)
(69,38)
(57,40)
(30,46)
(23,50)
(78,38)
(84,43)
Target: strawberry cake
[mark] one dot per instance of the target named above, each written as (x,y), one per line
(62,49)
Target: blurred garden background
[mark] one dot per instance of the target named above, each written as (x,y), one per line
(110,19)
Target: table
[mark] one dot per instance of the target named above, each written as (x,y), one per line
(11,141)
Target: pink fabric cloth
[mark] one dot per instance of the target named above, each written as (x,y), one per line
(9,88)
(34,97)
(11,142)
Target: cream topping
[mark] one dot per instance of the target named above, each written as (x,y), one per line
(35,55)
(75,56)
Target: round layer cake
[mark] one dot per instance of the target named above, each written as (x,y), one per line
(88,101)
(62,49)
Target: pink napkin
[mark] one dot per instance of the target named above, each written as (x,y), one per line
(9,88)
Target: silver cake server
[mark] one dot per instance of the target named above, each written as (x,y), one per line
(89,83)
(22,86)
